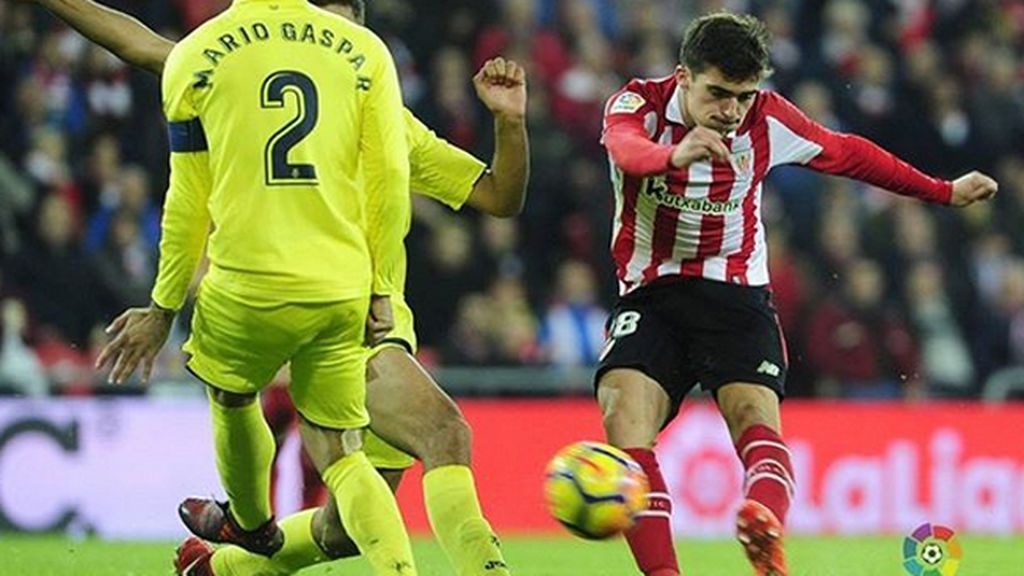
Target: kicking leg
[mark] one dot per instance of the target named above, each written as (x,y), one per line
(634,407)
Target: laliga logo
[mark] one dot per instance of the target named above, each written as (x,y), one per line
(931,550)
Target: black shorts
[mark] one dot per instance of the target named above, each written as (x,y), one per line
(696,331)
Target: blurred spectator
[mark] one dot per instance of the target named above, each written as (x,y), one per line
(580,94)
(100,172)
(790,292)
(1010,215)
(450,268)
(513,326)
(126,264)
(860,345)
(572,329)
(992,255)
(129,196)
(59,283)
(845,33)
(500,243)
(46,161)
(21,372)
(945,356)
(468,340)
(450,112)
(16,198)
(520,36)
(1001,334)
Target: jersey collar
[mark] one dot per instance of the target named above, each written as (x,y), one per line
(672,112)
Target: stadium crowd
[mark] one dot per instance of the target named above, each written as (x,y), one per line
(879,297)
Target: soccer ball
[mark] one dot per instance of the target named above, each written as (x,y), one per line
(594,489)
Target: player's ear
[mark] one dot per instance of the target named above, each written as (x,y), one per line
(683,76)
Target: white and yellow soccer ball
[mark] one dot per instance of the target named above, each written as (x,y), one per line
(595,490)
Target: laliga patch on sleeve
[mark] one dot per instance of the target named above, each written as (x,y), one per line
(626,103)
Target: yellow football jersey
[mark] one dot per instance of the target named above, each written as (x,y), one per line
(437,169)
(274,107)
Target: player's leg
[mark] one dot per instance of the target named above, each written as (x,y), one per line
(312,536)
(634,407)
(329,390)
(747,360)
(236,362)
(641,358)
(409,409)
(280,415)
(411,412)
(244,447)
(752,414)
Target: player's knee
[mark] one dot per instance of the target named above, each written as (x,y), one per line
(449,442)
(630,419)
(230,399)
(616,404)
(745,412)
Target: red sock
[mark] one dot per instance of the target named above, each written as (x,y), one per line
(769,474)
(650,538)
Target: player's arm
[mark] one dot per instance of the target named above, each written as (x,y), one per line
(125,36)
(856,157)
(455,177)
(501,191)
(386,168)
(139,333)
(628,138)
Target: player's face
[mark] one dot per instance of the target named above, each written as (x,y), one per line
(711,100)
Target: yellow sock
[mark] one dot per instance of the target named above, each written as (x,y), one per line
(459,524)
(245,452)
(299,551)
(370,515)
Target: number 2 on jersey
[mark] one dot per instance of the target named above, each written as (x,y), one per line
(280,172)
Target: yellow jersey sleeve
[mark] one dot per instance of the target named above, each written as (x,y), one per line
(438,169)
(386,168)
(186,217)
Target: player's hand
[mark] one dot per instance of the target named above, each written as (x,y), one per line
(501,86)
(380,321)
(138,334)
(699,144)
(972,187)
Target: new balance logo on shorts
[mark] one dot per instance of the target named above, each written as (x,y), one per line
(769,368)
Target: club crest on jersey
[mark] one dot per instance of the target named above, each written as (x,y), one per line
(743,162)
(626,103)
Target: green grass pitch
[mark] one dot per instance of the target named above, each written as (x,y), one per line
(881,556)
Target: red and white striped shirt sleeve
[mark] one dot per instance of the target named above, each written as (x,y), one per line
(800,140)
(630,119)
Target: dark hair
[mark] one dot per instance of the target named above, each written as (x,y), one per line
(358,7)
(735,44)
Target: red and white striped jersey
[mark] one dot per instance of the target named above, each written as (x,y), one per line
(705,220)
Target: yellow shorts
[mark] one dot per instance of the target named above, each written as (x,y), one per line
(239,345)
(384,455)
(380,453)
